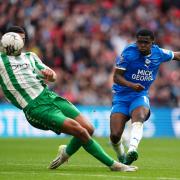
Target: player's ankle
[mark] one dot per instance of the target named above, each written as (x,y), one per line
(65,153)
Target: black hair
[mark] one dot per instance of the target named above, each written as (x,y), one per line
(16,29)
(145,32)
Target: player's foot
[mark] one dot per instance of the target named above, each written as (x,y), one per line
(117,166)
(121,158)
(130,157)
(60,159)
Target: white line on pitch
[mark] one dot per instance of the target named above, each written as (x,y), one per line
(90,175)
(70,165)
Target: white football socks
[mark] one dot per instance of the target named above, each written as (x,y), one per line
(136,135)
(118,148)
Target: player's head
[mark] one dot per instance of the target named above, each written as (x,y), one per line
(145,39)
(17,29)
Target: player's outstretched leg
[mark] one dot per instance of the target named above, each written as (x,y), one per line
(74,144)
(90,145)
(62,157)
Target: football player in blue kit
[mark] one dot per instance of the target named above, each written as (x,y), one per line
(135,70)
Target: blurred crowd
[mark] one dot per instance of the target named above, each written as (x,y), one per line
(80,39)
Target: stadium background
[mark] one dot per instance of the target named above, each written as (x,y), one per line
(80,40)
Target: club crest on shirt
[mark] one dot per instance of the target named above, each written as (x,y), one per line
(147,62)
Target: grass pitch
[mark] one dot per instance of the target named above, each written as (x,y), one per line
(26,159)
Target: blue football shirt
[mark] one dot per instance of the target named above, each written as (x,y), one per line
(139,68)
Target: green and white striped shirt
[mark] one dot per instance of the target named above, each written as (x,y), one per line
(20,78)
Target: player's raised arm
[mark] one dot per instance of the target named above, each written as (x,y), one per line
(176,56)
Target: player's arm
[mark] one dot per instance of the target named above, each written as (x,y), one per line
(48,73)
(176,56)
(118,78)
(167,55)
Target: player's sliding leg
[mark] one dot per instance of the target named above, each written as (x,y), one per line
(91,146)
(63,157)
(73,128)
(94,149)
(65,151)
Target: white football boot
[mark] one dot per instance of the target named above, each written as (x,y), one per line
(61,157)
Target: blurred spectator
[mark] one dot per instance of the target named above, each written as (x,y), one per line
(81,38)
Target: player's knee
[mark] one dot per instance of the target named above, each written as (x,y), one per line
(90,130)
(141,117)
(82,133)
(85,123)
(115,138)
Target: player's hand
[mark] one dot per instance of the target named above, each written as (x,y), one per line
(48,74)
(137,87)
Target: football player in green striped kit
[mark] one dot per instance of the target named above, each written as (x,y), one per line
(22,80)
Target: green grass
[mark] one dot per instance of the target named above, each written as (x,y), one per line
(24,159)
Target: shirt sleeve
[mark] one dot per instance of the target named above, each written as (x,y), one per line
(39,65)
(166,55)
(122,61)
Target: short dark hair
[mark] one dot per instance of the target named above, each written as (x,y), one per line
(16,29)
(145,32)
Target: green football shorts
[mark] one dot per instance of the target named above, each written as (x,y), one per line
(49,111)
